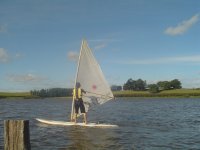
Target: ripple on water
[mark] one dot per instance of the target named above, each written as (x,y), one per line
(143,124)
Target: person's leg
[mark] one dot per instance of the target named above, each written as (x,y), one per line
(76,110)
(82,108)
(85,118)
(75,117)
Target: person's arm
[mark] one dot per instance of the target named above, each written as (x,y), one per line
(73,93)
(83,91)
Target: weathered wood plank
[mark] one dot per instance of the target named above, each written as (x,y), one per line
(16,135)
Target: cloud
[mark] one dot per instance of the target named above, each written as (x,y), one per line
(191,82)
(73,56)
(100,46)
(104,40)
(3,28)
(18,55)
(183,26)
(164,60)
(102,43)
(26,78)
(30,81)
(4,57)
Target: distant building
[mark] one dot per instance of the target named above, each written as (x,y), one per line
(116,88)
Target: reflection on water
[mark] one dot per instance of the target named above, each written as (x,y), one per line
(84,138)
(143,124)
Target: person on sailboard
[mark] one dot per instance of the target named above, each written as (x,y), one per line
(77,94)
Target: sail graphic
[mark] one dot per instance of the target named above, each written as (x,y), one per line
(92,80)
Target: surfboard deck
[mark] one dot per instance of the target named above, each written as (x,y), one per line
(64,123)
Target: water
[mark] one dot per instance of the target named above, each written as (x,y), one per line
(144,123)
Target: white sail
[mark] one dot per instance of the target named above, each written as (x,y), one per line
(92,80)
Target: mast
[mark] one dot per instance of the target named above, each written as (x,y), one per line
(72,110)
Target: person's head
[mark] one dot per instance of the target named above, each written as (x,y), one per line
(78,85)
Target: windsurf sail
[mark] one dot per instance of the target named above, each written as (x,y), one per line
(92,80)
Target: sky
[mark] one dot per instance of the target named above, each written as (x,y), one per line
(148,39)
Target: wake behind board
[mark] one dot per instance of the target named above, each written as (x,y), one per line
(63,123)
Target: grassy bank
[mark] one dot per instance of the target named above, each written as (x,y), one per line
(166,93)
(15,95)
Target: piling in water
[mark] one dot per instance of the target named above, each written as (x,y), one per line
(16,135)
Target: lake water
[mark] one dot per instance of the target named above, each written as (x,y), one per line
(144,123)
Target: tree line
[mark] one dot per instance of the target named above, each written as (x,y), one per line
(141,85)
(53,92)
(134,85)
(165,85)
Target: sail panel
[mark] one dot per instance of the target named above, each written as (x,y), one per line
(92,80)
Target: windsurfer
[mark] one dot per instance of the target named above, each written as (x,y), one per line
(77,94)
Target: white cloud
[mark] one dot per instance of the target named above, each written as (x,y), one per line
(191,82)
(183,26)
(164,60)
(29,81)
(26,78)
(3,28)
(18,55)
(104,40)
(102,43)
(4,57)
(100,46)
(73,56)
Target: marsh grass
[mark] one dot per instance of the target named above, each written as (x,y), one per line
(15,94)
(166,93)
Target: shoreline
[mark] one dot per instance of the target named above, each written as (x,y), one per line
(115,97)
(179,93)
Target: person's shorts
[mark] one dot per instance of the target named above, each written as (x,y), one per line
(79,104)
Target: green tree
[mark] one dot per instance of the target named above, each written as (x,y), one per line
(135,85)
(140,85)
(164,85)
(129,85)
(176,84)
(153,88)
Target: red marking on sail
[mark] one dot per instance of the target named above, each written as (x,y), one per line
(94,87)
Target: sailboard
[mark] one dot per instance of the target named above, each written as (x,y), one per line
(64,123)
(92,80)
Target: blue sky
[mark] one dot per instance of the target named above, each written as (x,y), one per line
(149,39)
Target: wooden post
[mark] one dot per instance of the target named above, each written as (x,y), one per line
(16,135)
